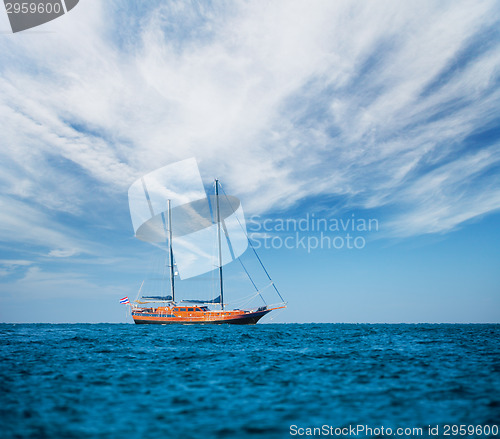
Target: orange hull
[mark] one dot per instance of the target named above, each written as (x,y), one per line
(194,315)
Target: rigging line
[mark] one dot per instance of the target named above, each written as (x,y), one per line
(167,263)
(226,234)
(252,296)
(249,297)
(276,314)
(251,280)
(220,249)
(246,304)
(139,292)
(243,303)
(232,251)
(250,243)
(267,286)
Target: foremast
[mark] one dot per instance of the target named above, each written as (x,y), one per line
(219,240)
(171,253)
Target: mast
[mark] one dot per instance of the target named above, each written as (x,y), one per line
(220,249)
(171,253)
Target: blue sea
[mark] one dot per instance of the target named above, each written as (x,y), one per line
(262,381)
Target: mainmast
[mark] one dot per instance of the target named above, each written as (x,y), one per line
(171,253)
(220,249)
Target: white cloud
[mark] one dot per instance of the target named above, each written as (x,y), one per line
(449,195)
(21,223)
(9,266)
(280,100)
(15,262)
(63,253)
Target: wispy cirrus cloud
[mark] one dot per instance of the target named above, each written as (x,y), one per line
(375,103)
(9,266)
(22,224)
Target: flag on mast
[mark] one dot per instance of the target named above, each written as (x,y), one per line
(125,301)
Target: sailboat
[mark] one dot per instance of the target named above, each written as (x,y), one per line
(167,308)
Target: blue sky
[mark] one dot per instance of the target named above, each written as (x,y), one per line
(385,110)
